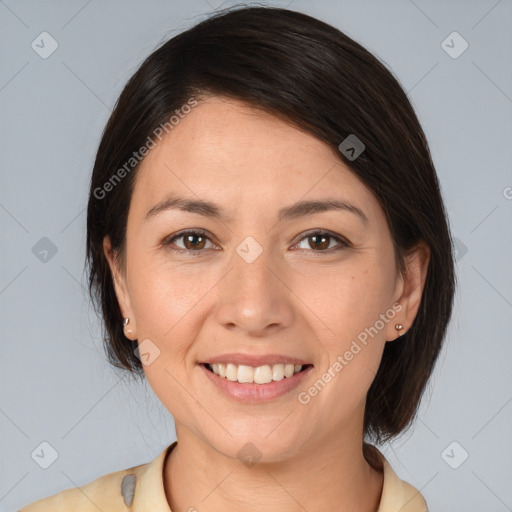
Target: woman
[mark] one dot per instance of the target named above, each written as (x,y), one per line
(268,242)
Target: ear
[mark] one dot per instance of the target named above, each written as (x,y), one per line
(121,289)
(412,285)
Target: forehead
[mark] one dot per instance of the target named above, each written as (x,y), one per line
(229,152)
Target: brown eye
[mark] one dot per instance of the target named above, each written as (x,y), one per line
(192,241)
(320,241)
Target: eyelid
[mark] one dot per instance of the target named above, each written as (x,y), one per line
(198,231)
(343,243)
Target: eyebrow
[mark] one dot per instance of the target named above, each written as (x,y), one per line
(293,211)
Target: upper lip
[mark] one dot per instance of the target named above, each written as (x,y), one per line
(255,360)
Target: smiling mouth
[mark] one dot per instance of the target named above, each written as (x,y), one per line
(264,374)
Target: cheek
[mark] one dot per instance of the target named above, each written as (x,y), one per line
(352,297)
(352,306)
(166,306)
(164,301)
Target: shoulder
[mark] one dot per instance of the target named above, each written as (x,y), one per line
(412,499)
(398,495)
(113,492)
(137,488)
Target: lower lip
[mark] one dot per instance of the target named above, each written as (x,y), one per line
(254,393)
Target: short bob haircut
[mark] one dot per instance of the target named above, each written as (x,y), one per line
(319,80)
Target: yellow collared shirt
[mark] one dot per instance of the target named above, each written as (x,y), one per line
(141,489)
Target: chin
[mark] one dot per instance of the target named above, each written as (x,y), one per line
(257,446)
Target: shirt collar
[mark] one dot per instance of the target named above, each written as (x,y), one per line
(397,495)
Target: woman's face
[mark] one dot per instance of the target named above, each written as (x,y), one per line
(254,279)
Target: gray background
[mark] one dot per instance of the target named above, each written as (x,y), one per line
(56,384)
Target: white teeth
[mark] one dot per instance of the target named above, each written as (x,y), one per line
(245,373)
(231,372)
(278,372)
(258,375)
(263,374)
(288,370)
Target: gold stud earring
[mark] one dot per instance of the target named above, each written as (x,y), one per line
(125,323)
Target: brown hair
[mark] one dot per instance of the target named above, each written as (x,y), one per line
(320,80)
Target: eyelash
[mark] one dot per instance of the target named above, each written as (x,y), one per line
(344,244)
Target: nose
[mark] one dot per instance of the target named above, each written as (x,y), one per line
(254,297)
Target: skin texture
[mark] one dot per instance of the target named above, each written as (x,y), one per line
(293,299)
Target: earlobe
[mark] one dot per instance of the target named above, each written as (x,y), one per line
(416,261)
(120,289)
(128,331)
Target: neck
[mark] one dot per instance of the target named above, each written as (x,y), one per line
(328,475)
